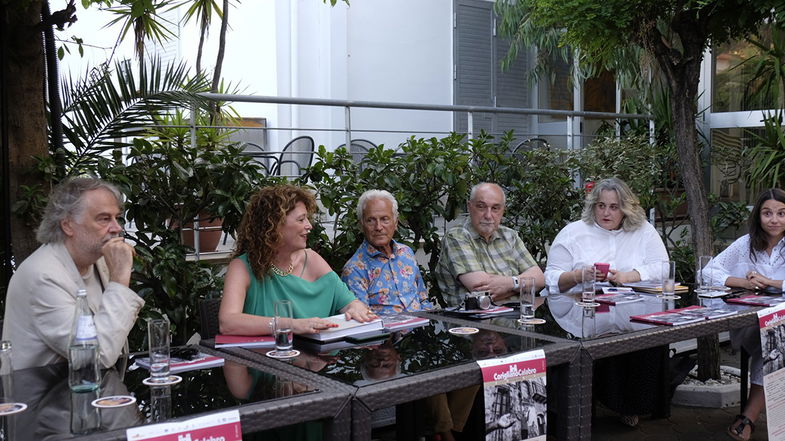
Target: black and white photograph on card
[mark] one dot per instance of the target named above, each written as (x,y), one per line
(516,411)
(515,396)
(773,340)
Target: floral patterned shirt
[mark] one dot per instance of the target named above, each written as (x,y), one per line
(386,284)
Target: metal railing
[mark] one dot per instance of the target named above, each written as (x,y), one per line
(572,117)
(348,105)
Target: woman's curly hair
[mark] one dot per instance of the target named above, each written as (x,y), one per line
(259,233)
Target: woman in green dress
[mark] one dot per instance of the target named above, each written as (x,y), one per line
(271,262)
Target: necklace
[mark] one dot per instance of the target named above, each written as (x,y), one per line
(281,272)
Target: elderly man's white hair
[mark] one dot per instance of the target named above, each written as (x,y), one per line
(474,190)
(372,195)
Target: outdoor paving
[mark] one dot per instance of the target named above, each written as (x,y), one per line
(684,424)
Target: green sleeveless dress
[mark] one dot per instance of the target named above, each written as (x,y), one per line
(321,298)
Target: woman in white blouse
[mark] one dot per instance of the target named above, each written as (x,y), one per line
(754,261)
(612,229)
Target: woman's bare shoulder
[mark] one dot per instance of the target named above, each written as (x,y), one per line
(317,266)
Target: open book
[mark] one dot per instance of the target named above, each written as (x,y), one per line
(345,328)
(683,316)
(244,341)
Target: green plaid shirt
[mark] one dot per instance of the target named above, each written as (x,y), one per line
(465,251)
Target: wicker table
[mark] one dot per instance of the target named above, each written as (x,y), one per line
(608,332)
(433,362)
(50,410)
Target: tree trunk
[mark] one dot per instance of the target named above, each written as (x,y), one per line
(683,107)
(680,64)
(219,60)
(26,112)
(202,31)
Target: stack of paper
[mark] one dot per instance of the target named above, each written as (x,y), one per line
(683,316)
(244,341)
(201,361)
(618,299)
(754,300)
(655,287)
(395,322)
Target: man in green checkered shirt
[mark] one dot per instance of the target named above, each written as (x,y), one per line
(482,255)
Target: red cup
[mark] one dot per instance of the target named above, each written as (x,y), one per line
(603,268)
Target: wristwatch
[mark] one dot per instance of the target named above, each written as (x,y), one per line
(515,283)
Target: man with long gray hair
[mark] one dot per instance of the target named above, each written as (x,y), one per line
(82,248)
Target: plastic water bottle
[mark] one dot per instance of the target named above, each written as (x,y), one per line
(83,371)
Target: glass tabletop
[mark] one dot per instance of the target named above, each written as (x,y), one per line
(439,344)
(565,318)
(55,412)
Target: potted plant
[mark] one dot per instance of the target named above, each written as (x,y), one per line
(172,183)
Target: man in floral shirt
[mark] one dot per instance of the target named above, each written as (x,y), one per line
(383,273)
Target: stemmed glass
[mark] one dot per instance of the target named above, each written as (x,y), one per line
(282,330)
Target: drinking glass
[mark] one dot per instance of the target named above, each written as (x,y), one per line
(703,275)
(6,371)
(160,403)
(668,279)
(527,292)
(588,279)
(158,336)
(282,328)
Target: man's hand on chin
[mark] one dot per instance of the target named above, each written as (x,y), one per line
(119,257)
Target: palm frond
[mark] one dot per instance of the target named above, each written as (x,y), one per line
(101,112)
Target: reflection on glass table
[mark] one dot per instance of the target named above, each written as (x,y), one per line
(54,411)
(606,319)
(408,352)
(609,319)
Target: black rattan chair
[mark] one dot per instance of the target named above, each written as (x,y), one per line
(208,317)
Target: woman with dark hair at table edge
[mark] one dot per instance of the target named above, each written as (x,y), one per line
(755,261)
(272,262)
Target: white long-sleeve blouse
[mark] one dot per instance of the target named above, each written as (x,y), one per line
(735,261)
(581,243)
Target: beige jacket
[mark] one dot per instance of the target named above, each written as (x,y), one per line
(39,309)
